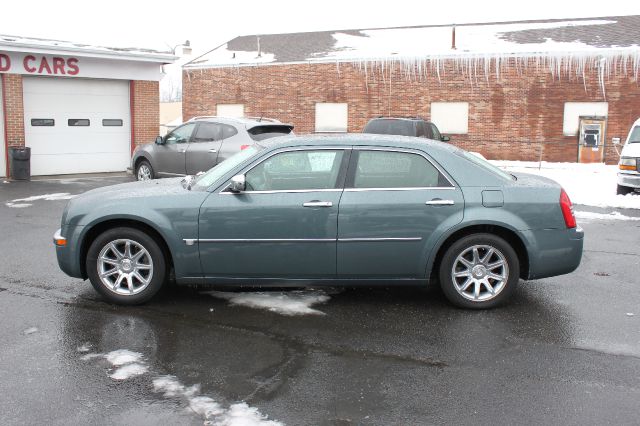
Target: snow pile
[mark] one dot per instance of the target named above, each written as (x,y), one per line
(285,303)
(239,414)
(603,216)
(26,202)
(131,364)
(587,184)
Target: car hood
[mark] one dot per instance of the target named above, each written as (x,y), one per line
(150,188)
(631,150)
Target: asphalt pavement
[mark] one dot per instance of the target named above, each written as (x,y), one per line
(565,350)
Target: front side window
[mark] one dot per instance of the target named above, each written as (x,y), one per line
(208,132)
(391,169)
(296,170)
(180,135)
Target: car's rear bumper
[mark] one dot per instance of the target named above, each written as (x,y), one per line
(629,179)
(554,251)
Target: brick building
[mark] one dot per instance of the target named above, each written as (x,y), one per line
(79,108)
(560,90)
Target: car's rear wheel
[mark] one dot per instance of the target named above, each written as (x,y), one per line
(479,271)
(623,190)
(144,171)
(126,266)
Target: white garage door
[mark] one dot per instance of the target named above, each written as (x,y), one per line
(77,125)
(3,166)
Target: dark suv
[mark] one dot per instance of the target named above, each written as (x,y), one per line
(201,143)
(404,127)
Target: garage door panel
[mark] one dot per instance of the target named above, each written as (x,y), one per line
(64,149)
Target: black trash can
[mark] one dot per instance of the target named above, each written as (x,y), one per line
(20,163)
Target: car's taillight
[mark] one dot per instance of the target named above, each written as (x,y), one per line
(567,210)
(243,147)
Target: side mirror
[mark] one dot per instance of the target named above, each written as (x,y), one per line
(238,184)
(445,138)
(159,140)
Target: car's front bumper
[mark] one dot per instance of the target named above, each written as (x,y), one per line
(632,180)
(68,255)
(555,251)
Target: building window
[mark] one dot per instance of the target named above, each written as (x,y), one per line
(331,117)
(574,110)
(78,122)
(451,117)
(112,122)
(43,122)
(230,110)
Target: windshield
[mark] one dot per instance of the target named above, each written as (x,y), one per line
(634,137)
(390,127)
(210,177)
(487,165)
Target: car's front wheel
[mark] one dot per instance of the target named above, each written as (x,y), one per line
(126,266)
(144,171)
(623,190)
(479,271)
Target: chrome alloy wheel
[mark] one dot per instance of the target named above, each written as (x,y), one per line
(480,273)
(125,267)
(144,172)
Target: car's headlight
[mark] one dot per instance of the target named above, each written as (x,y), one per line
(627,163)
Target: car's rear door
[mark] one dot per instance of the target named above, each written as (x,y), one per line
(395,205)
(203,150)
(170,156)
(284,225)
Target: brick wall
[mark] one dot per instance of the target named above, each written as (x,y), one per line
(517,114)
(146,111)
(12,85)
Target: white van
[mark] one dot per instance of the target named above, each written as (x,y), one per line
(629,165)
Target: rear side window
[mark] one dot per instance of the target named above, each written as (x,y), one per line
(260,133)
(436,133)
(391,169)
(207,132)
(390,127)
(228,131)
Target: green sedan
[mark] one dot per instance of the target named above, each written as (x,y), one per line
(326,210)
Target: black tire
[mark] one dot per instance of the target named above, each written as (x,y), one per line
(156,277)
(623,190)
(486,300)
(141,165)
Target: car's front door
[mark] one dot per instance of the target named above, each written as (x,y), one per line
(204,147)
(284,224)
(170,156)
(395,204)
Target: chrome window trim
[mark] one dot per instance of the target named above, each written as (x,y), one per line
(280,151)
(406,151)
(391,239)
(418,188)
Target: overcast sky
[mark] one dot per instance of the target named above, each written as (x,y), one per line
(159,24)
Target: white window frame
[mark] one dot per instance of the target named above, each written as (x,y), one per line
(332,117)
(451,117)
(236,110)
(574,110)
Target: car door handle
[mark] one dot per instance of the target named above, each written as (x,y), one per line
(318,204)
(440,202)
(213,151)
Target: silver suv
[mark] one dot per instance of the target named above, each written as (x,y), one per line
(201,143)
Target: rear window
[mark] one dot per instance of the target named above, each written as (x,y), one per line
(260,133)
(390,127)
(485,164)
(634,137)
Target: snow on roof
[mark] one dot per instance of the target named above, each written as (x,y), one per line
(551,37)
(46,46)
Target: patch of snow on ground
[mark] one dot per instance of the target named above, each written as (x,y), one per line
(128,371)
(47,197)
(289,303)
(17,205)
(603,216)
(30,330)
(84,348)
(213,412)
(122,356)
(586,184)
